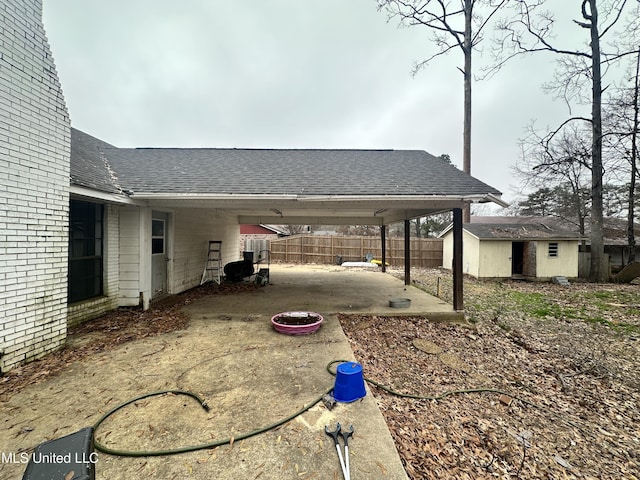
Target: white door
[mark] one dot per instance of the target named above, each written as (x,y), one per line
(159,257)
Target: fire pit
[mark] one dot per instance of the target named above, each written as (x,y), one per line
(296,323)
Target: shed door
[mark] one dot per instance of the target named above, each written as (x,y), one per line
(159,257)
(517,258)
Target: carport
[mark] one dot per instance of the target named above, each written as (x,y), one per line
(250,376)
(308,187)
(207,192)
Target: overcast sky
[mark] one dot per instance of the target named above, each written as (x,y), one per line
(284,74)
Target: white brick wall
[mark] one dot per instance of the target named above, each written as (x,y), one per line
(34,189)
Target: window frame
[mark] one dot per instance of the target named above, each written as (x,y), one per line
(86,251)
(155,237)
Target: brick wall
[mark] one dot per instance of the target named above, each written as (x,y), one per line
(34,189)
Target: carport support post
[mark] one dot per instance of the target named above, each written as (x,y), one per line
(458,301)
(383,243)
(407,252)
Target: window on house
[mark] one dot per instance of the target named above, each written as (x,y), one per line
(553,249)
(85,250)
(157,236)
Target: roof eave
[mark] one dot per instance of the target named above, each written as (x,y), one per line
(77,191)
(495,199)
(531,239)
(476,198)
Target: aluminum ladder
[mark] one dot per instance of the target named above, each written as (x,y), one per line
(213,266)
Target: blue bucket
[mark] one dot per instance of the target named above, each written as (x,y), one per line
(349,385)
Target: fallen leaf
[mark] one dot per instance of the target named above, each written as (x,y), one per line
(563,462)
(382,469)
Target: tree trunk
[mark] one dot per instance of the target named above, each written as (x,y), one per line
(466,134)
(599,268)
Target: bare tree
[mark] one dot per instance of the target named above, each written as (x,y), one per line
(531,30)
(453,25)
(359,230)
(631,240)
(434,224)
(623,121)
(295,229)
(559,162)
(417,224)
(599,269)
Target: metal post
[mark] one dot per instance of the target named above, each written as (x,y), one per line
(383,238)
(407,252)
(458,295)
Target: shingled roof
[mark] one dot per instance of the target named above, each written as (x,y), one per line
(277,185)
(519,231)
(97,164)
(89,166)
(299,172)
(614,232)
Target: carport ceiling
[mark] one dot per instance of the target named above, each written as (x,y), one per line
(304,186)
(316,210)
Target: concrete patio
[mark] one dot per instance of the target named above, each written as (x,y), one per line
(331,289)
(250,375)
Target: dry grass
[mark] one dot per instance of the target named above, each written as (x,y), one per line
(565,359)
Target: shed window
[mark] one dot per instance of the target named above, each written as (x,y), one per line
(553,249)
(85,250)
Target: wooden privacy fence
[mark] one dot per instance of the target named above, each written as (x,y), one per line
(425,252)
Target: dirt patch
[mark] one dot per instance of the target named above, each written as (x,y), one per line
(550,375)
(111,330)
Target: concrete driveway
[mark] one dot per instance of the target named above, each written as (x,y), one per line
(250,375)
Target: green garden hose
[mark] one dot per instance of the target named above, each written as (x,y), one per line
(174,451)
(192,448)
(434,397)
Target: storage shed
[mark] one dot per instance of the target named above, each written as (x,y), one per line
(515,250)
